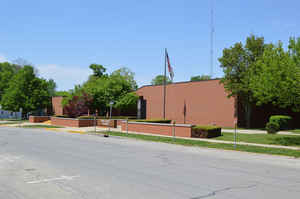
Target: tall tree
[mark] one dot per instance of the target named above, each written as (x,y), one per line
(200,78)
(51,87)
(294,50)
(26,91)
(159,80)
(128,75)
(236,62)
(98,70)
(276,78)
(7,72)
(127,104)
(107,88)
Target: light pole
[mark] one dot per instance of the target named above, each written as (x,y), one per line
(21,110)
(110,106)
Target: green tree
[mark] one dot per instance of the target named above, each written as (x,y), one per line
(106,88)
(51,87)
(200,78)
(127,103)
(159,80)
(7,72)
(61,93)
(276,78)
(98,70)
(128,75)
(26,91)
(294,50)
(237,62)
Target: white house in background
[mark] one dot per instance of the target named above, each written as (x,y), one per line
(9,114)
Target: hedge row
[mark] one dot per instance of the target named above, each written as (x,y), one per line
(279,122)
(98,117)
(206,128)
(206,131)
(155,121)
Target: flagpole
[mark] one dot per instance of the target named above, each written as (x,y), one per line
(165,82)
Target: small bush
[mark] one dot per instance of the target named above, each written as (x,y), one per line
(86,117)
(206,131)
(155,121)
(272,127)
(62,116)
(284,121)
(106,118)
(206,128)
(119,117)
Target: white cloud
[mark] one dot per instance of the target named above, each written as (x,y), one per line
(3,58)
(65,77)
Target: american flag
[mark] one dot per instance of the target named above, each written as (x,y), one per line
(169,66)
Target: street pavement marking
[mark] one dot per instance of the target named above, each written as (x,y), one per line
(80,132)
(53,179)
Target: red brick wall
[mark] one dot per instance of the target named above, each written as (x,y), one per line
(160,129)
(38,119)
(206,103)
(71,122)
(57,106)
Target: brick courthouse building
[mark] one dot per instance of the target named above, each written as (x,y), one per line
(200,102)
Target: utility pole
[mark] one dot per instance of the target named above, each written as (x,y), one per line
(212,31)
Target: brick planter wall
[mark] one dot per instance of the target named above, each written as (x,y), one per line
(71,122)
(38,119)
(181,130)
(119,122)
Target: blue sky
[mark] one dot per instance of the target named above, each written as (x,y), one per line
(63,37)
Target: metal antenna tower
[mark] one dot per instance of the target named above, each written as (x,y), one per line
(212,31)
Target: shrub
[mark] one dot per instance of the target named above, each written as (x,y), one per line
(127,104)
(206,128)
(272,127)
(155,121)
(78,105)
(86,117)
(106,118)
(206,131)
(62,116)
(284,122)
(118,117)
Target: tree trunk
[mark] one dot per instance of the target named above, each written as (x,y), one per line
(248,113)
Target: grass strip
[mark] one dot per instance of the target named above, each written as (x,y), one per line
(276,139)
(41,126)
(197,143)
(6,123)
(294,131)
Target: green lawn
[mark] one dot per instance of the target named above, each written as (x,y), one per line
(196,143)
(231,128)
(12,122)
(294,131)
(3,119)
(41,126)
(277,139)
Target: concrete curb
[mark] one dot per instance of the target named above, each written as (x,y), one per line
(195,139)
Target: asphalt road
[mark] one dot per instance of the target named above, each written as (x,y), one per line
(36,164)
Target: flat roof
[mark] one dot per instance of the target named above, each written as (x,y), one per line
(183,82)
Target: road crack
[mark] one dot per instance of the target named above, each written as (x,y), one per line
(215,192)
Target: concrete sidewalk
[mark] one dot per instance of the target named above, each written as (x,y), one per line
(254,131)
